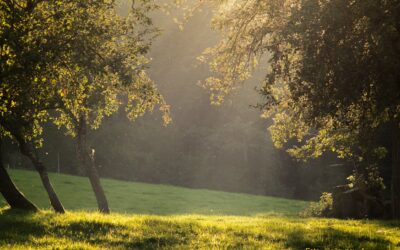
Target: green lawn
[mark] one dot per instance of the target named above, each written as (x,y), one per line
(159,216)
(129,197)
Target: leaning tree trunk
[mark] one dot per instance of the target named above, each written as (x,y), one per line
(87,159)
(10,192)
(41,169)
(396,172)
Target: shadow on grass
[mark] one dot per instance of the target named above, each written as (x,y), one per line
(331,238)
(17,226)
(21,228)
(152,234)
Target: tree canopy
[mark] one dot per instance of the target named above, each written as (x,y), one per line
(332,80)
(73,62)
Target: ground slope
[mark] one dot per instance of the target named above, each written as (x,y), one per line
(165,217)
(131,197)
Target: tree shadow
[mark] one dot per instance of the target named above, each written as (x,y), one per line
(117,236)
(22,228)
(331,238)
(17,226)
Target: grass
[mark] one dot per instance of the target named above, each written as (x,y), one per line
(130,197)
(159,216)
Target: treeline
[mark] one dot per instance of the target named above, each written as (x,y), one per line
(213,158)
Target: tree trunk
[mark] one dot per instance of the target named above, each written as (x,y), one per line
(10,192)
(41,169)
(87,159)
(396,172)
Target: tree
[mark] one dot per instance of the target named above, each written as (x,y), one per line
(75,58)
(30,31)
(332,80)
(10,192)
(105,69)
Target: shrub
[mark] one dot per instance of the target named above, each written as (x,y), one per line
(322,208)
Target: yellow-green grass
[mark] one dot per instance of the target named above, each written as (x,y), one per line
(83,230)
(206,223)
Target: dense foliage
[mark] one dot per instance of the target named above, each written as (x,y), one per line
(72,62)
(332,81)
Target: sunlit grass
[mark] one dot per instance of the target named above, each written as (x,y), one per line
(166,217)
(83,230)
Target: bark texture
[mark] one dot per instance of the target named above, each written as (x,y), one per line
(44,177)
(86,157)
(396,172)
(10,192)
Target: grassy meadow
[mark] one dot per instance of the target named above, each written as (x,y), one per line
(141,198)
(147,216)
